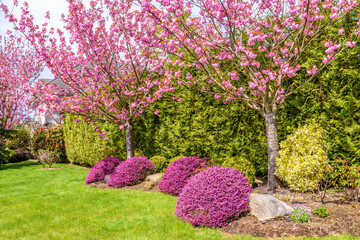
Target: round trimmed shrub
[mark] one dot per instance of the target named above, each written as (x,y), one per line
(131,172)
(243,165)
(160,163)
(301,158)
(101,169)
(214,197)
(178,173)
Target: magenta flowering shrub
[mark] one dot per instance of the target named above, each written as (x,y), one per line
(131,172)
(101,169)
(178,173)
(214,197)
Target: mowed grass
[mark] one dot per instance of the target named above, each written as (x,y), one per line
(56,204)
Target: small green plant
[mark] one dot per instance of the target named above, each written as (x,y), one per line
(321,211)
(47,157)
(299,199)
(285,198)
(160,163)
(300,214)
(242,164)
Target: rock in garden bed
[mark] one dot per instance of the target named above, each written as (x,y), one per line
(344,218)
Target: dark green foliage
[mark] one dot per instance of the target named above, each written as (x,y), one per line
(7,156)
(84,147)
(160,163)
(55,142)
(200,125)
(243,165)
(17,139)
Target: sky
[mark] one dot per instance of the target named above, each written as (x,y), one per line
(38,8)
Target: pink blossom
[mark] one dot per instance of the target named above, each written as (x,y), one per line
(350,44)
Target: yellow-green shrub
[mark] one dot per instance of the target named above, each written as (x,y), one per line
(243,165)
(160,163)
(301,158)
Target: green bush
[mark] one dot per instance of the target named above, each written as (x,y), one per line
(160,163)
(243,165)
(17,139)
(55,142)
(301,158)
(6,155)
(84,147)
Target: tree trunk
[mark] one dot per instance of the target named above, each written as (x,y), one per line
(129,141)
(273,147)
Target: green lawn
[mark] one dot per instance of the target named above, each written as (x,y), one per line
(55,204)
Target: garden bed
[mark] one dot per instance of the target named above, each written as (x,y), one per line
(344,217)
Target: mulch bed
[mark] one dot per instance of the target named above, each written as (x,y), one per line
(103,185)
(344,216)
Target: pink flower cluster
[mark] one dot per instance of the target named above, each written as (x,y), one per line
(178,173)
(101,169)
(131,172)
(19,70)
(214,197)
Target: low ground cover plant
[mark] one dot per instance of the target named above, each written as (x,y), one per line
(178,173)
(321,211)
(300,214)
(101,169)
(214,197)
(131,172)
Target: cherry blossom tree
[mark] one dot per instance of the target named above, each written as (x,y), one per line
(112,76)
(19,70)
(265,43)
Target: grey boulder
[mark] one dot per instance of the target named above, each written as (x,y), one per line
(266,207)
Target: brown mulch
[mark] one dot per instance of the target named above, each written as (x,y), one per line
(141,186)
(344,216)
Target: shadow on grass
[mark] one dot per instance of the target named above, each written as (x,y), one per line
(18,165)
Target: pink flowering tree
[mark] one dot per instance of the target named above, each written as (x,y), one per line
(265,42)
(19,70)
(111,75)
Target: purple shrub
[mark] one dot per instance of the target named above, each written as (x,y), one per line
(214,197)
(131,172)
(101,169)
(178,173)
